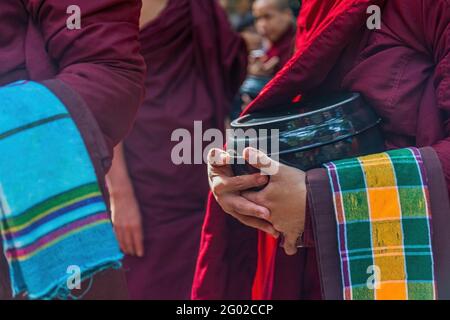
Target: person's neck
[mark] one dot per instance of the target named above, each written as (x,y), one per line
(151,10)
(286,34)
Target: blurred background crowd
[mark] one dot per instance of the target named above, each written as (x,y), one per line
(269,31)
(241,10)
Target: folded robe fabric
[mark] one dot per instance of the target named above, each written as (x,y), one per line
(383,217)
(53,216)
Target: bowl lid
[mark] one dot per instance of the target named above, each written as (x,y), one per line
(308,123)
(307,107)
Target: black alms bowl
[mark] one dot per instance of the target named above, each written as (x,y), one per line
(311,132)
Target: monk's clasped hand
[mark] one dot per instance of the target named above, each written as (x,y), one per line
(285,196)
(277,209)
(227,189)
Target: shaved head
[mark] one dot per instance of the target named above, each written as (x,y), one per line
(272,18)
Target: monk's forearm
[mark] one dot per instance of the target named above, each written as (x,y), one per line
(118,179)
(151,10)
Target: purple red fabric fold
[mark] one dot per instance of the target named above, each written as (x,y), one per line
(104,67)
(96,71)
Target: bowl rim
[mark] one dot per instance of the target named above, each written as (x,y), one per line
(321,144)
(237,124)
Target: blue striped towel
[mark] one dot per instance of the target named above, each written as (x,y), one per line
(53,218)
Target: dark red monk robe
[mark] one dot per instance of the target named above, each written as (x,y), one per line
(283,48)
(403,72)
(195,66)
(96,71)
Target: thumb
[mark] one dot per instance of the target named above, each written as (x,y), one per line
(218,157)
(260,160)
(290,244)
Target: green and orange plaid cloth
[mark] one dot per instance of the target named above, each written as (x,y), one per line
(383,219)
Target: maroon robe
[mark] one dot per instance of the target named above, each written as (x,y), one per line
(283,48)
(403,72)
(96,71)
(195,66)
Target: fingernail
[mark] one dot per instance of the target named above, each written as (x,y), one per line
(252,151)
(223,157)
(262,179)
(248,152)
(291,250)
